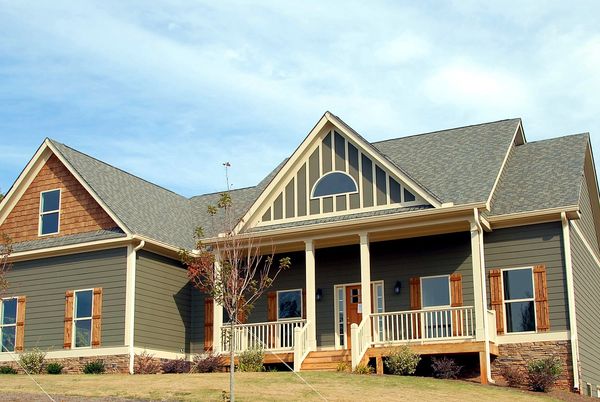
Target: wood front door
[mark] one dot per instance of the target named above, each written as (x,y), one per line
(353,310)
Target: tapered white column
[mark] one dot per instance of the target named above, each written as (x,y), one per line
(365,278)
(217,319)
(311,306)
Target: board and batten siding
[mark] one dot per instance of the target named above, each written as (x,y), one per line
(586,223)
(45,281)
(586,282)
(531,245)
(162,304)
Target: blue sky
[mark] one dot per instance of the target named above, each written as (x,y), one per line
(168,90)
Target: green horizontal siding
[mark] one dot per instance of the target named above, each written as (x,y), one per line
(45,281)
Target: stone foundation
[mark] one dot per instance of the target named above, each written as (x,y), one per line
(115,364)
(519,354)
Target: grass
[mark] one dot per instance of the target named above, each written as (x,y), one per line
(265,387)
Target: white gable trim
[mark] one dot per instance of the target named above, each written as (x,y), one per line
(301,154)
(31,171)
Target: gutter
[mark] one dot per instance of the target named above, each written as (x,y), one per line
(571,299)
(131,292)
(484,296)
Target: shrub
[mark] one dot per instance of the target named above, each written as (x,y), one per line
(363,369)
(543,373)
(445,368)
(54,368)
(403,361)
(207,363)
(251,360)
(33,361)
(512,375)
(145,363)
(342,367)
(177,366)
(7,370)
(95,367)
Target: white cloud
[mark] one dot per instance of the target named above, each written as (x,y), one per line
(402,49)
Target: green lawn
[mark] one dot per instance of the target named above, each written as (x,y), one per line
(265,387)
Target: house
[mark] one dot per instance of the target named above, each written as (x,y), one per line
(468,241)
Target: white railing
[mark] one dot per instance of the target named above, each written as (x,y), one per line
(492,331)
(268,336)
(301,345)
(424,325)
(361,340)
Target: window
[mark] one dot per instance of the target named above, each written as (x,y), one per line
(49,212)
(519,299)
(334,183)
(289,304)
(8,324)
(82,318)
(435,291)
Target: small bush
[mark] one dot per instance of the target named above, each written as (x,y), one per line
(207,363)
(363,369)
(445,368)
(543,373)
(403,361)
(178,366)
(7,370)
(512,375)
(95,367)
(145,363)
(54,368)
(33,361)
(342,367)
(251,360)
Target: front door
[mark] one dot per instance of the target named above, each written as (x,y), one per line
(353,309)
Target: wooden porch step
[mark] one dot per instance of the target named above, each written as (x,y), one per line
(326,360)
(324,366)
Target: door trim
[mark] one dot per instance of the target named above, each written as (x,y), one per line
(336,310)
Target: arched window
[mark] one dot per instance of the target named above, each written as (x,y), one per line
(334,183)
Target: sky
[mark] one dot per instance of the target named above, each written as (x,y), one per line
(169,90)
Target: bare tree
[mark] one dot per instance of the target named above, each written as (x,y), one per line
(231,268)
(5,251)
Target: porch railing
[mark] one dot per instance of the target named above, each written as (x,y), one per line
(423,325)
(301,345)
(268,336)
(360,341)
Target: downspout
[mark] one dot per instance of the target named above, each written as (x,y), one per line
(132,305)
(571,299)
(486,333)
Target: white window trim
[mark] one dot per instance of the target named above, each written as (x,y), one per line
(449,292)
(74,319)
(336,309)
(518,300)
(301,304)
(42,213)
(2,326)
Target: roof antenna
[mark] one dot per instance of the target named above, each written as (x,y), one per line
(227,166)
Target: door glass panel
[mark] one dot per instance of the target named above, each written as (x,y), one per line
(341,313)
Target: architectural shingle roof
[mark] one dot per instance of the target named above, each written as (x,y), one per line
(68,240)
(458,165)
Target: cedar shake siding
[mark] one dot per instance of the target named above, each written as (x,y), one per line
(162,304)
(527,246)
(586,281)
(45,281)
(79,212)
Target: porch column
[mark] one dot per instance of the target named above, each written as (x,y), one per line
(365,278)
(217,319)
(480,304)
(311,306)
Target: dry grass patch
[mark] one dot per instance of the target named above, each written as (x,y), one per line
(266,387)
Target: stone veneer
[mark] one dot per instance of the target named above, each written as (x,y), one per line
(115,364)
(519,354)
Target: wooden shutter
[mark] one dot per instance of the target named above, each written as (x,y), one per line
(415,304)
(541,298)
(304,304)
(20,335)
(97,318)
(456,300)
(68,332)
(272,306)
(208,324)
(497,299)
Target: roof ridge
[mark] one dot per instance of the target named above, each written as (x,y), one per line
(221,191)
(119,169)
(584,134)
(447,129)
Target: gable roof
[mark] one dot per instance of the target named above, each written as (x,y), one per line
(542,175)
(459,165)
